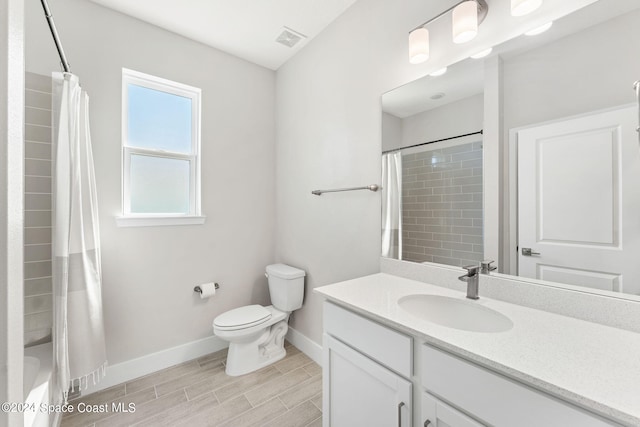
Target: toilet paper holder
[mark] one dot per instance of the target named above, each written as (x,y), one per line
(198,289)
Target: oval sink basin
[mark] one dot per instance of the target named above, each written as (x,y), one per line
(455,313)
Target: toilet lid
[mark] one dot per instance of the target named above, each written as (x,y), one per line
(243,317)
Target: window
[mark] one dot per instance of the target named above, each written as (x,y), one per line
(161,151)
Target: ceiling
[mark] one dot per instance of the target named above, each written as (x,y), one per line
(244,28)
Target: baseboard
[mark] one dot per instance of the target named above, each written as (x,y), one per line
(134,368)
(305,345)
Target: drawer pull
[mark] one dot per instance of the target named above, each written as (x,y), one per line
(400,405)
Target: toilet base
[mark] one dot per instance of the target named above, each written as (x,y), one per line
(267,348)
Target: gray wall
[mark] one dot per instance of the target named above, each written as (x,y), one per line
(37,215)
(442,205)
(149,272)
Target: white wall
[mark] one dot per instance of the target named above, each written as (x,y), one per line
(453,119)
(11,200)
(149,272)
(391,131)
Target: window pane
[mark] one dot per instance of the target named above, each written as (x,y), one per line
(158,120)
(159,185)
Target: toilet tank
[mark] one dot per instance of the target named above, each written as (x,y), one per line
(286,286)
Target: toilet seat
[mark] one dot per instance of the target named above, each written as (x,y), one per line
(242,318)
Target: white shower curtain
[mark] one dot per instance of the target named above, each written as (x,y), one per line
(78,329)
(392,205)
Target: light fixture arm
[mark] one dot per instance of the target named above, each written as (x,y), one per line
(483,8)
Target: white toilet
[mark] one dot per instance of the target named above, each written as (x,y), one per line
(256,333)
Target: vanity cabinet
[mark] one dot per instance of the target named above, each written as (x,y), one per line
(366,380)
(369,380)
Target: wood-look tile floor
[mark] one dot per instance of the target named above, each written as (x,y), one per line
(199,393)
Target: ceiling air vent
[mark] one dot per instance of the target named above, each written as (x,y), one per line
(289,37)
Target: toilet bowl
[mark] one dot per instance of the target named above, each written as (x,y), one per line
(256,333)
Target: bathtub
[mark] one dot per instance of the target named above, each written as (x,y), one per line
(37,383)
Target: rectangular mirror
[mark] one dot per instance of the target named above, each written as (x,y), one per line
(563,201)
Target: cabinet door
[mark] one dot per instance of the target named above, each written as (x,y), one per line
(360,392)
(438,414)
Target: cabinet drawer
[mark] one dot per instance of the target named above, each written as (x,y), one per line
(495,399)
(439,414)
(380,343)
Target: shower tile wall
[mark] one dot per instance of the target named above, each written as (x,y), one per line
(442,205)
(38,316)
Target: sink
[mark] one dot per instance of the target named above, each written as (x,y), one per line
(455,313)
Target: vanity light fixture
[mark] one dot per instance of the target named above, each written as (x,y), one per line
(539,30)
(482,53)
(439,72)
(466,16)
(524,7)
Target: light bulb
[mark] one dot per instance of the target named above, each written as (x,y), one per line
(539,30)
(418,46)
(482,53)
(439,72)
(465,21)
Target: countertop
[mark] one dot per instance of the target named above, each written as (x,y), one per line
(594,366)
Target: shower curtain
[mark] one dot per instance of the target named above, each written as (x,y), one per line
(78,329)
(392,205)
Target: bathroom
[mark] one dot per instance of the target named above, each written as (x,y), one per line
(283,128)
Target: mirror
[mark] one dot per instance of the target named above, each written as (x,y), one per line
(551,187)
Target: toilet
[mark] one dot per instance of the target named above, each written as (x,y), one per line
(256,333)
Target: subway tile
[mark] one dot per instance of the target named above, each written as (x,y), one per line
(472,180)
(474,231)
(430,199)
(457,197)
(38,286)
(477,145)
(477,240)
(34,167)
(478,249)
(472,256)
(413,250)
(460,173)
(37,150)
(472,213)
(420,192)
(409,242)
(408,157)
(458,246)
(413,257)
(37,184)
(439,206)
(413,185)
(448,190)
(462,148)
(475,188)
(413,227)
(460,157)
(477,222)
(37,201)
(408,221)
(447,261)
(409,199)
(429,244)
(37,99)
(477,171)
(477,197)
(417,214)
(33,270)
(38,304)
(466,205)
(409,178)
(447,213)
(413,206)
(471,164)
(438,252)
(301,415)
(408,164)
(447,237)
(37,133)
(37,116)
(430,177)
(446,166)
(37,253)
(39,82)
(437,228)
(37,235)
(37,219)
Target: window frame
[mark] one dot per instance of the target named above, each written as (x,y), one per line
(194,216)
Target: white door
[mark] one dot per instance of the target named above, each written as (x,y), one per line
(360,392)
(437,414)
(579,201)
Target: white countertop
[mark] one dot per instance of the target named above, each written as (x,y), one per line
(591,365)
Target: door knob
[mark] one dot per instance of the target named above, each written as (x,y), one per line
(529,252)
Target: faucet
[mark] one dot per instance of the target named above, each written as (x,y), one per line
(486,267)
(471,278)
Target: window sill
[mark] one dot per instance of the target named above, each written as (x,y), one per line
(153,221)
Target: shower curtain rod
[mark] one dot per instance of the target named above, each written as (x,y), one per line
(480,132)
(54,33)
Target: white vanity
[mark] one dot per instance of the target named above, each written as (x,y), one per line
(387,365)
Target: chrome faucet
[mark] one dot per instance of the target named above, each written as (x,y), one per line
(471,278)
(486,267)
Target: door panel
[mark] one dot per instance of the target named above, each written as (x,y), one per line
(578,203)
